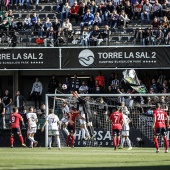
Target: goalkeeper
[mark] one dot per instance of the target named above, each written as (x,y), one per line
(88,114)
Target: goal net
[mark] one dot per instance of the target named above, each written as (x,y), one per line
(139,106)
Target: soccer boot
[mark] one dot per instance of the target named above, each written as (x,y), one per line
(166,151)
(120,147)
(35,143)
(12,146)
(130,148)
(157,151)
(24,145)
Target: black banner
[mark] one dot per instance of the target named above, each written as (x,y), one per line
(113,57)
(29,58)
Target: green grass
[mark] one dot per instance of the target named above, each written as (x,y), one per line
(95,158)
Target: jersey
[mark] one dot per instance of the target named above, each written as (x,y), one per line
(160,117)
(52,121)
(116,118)
(65,110)
(73,117)
(126,121)
(15,119)
(32,117)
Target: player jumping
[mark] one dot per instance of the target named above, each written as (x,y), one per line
(71,126)
(88,114)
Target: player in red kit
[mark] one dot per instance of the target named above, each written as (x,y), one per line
(160,122)
(117,120)
(15,119)
(71,126)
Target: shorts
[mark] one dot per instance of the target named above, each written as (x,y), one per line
(53,132)
(116,132)
(16,130)
(125,133)
(32,130)
(71,128)
(159,131)
(64,120)
(82,122)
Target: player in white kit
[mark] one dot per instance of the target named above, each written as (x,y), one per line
(53,128)
(65,117)
(32,126)
(125,132)
(83,127)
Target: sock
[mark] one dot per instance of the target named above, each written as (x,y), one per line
(115,141)
(31,139)
(58,142)
(128,142)
(21,139)
(12,141)
(49,142)
(122,141)
(156,142)
(66,131)
(165,142)
(87,132)
(118,141)
(91,130)
(68,139)
(72,141)
(83,133)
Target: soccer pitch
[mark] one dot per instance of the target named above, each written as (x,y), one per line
(94,158)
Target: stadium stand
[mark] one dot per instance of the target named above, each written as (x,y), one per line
(120,35)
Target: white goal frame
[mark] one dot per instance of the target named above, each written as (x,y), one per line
(91,95)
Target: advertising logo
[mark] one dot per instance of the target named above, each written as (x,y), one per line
(86,58)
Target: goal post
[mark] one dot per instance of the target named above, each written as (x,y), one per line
(140,114)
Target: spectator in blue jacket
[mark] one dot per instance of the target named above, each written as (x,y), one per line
(87,19)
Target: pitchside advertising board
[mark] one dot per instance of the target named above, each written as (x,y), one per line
(29,58)
(116,57)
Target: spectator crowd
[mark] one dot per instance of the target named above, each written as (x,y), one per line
(97,20)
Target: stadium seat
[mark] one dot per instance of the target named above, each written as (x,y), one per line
(131,39)
(47,8)
(124,40)
(54,8)
(13,8)
(115,39)
(38,8)
(51,16)
(20,8)
(129,30)
(16,16)
(23,16)
(24,41)
(30,8)
(42,16)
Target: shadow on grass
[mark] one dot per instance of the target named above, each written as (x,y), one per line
(119,168)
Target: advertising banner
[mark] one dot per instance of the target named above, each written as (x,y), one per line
(29,58)
(116,57)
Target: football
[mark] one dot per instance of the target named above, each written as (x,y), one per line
(64,86)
